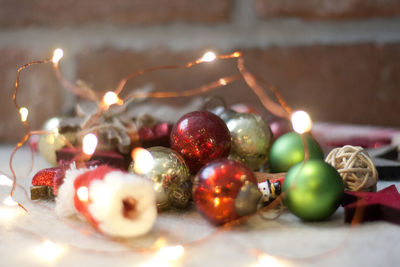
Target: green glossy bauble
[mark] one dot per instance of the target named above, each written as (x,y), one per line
(288,150)
(171,178)
(313,190)
(251,139)
(48,144)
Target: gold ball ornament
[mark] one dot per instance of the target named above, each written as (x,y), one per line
(48,144)
(171,178)
(355,167)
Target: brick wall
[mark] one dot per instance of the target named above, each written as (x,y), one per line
(337,59)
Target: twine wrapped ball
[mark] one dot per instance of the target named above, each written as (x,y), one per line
(355,167)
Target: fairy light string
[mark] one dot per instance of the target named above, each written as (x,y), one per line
(280,109)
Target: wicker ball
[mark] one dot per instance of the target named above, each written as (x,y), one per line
(355,167)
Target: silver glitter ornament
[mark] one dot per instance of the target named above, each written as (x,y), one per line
(171,178)
(251,139)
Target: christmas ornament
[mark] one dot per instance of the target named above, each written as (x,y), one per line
(225,190)
(48,144)
(251,139)
(158,135)
(372,206)
(170,176)
(224,113)
(288,150)
(46,182)
(355,166)
(313,190)
(110,158)
(200,137)
(116,203)
(270,190)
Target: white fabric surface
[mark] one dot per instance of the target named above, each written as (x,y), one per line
(290,241)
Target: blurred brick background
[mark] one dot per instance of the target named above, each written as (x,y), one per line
(337,59)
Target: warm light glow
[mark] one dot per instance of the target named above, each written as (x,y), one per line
(9,214)
(5,181)
(83,193)
(301,122)
(222,81)
(8,201)
(49,251)
(24,114)
(89,144)
(237,54)
(208,57)
(111,98)
(166,257)
(57,55)
(172,253)
(267,260)
(143,160)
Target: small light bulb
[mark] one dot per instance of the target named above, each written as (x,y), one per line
(111,98)
(83,193)
(208,57)
(222,81)
(143,160)
(171,253)
(8,201)
(24,113)
(48,251)
(301,122)
(89,144)
(57,55)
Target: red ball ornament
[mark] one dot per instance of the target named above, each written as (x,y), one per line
(225,190)
(200,137)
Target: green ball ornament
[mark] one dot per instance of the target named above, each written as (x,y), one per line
(313,190)
(251,139)
(288,150)
(171,178)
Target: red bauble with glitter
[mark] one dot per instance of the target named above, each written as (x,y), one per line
(225,190)
(200,137)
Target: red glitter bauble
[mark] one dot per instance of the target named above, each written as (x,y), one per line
(200,137)
(216,187)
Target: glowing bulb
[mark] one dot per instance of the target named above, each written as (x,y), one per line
(8,201)
(5,181)
(172,253)
(83,193)
(208,57)
(24,114)
(89,144)
(266,260)
(301,122)
(111,98)
(222,81)
(143,160)
(237,54)
(49,251)
(57,55)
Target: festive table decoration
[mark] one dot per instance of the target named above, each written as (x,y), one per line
(355,167)
(372,206)
(171,177)
(251,139)
(116,203)
(288,150)
(313,190)
(200,137)
(224,190)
